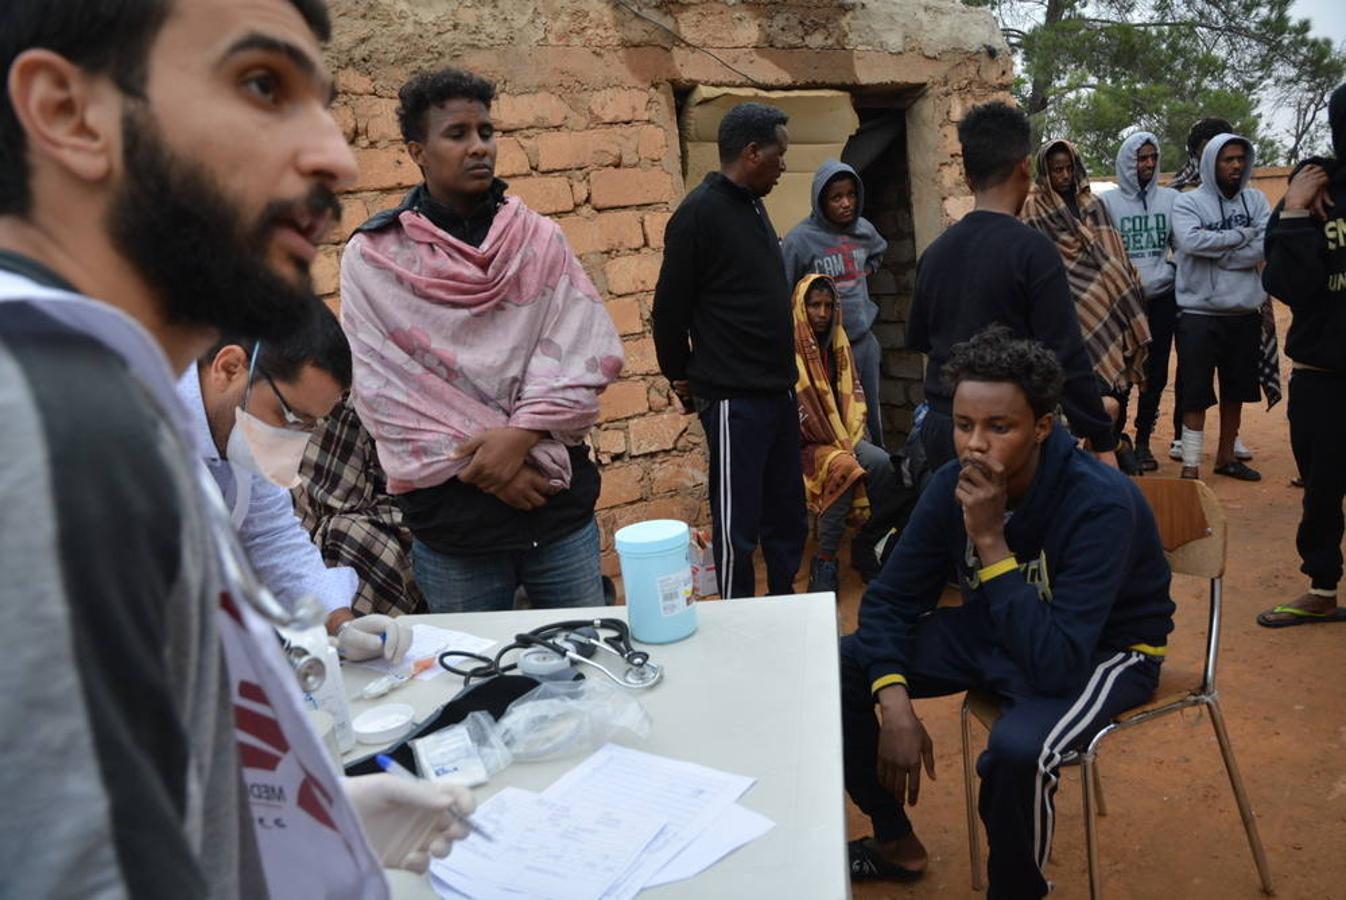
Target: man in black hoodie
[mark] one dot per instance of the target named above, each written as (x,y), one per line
(724,335)
(1306,269)
(1065,616)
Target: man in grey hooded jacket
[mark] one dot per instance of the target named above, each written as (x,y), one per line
(1143,212)
(835,240)
(1218,230)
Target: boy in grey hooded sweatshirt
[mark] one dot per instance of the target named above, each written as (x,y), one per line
(835,240)
(1218,230)
(1143,213)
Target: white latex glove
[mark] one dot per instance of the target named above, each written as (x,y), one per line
(406,821)
(374,635)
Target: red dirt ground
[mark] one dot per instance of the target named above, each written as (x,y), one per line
(1172,830)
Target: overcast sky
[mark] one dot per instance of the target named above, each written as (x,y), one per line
(1328,17)
(1329,21)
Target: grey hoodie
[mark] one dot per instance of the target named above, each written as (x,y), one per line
(1219,241)
(848,256)
(1144,218)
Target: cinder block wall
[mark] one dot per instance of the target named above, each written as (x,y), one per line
(588,135)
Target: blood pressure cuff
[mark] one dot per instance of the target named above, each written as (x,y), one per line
(494,695)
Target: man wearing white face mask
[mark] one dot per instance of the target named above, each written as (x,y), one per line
(255,406)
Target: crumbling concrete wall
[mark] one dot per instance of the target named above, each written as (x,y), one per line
(588,135)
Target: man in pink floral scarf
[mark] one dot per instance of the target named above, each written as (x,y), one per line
(480,349)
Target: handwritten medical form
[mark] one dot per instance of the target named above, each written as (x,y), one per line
(688,796)
(575,839)
(544,849)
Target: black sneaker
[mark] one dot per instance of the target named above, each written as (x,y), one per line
(1145,459)
(1126,457)
(863,558)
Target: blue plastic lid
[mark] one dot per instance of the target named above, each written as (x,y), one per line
(654,536)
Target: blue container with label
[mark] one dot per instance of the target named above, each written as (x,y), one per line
(657,575)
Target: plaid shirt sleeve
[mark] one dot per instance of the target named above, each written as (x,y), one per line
(344,505)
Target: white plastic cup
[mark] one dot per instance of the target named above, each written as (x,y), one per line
(657,574)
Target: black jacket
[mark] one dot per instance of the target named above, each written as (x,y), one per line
(1306,269)
(722,285)
(988,269)
(1091,577)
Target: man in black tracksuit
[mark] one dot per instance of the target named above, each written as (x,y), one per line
(1065,616)
(724,335)
(1306,269)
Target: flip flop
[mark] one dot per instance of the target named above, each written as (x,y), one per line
(868,865)
(1299,617)
(1238,470)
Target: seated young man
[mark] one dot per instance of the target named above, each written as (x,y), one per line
(1065,613)
(844,474)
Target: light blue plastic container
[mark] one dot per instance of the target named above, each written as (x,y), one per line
(657,574)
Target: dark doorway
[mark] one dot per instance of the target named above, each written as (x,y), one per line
(878,151)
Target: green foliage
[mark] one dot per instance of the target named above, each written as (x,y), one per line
(1094,70)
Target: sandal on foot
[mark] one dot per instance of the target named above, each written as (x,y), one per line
(867,864)
(1298,617)
(1239,470)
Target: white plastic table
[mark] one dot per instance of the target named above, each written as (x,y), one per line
(754,691)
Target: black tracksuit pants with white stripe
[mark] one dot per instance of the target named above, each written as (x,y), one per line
(756,490)
(953,651)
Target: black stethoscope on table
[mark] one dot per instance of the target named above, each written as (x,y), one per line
(552,650)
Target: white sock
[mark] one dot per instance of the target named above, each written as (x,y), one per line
(1191,448)
(1324,593)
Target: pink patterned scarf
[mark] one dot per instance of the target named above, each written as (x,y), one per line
(450,340)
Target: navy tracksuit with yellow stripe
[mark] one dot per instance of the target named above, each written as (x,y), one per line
(1069,634)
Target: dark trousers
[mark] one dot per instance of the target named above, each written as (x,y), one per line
(937,439)
(1163,315)
(954,650)
(756,490)
(1318,439)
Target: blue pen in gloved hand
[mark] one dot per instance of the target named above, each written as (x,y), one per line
(393,767)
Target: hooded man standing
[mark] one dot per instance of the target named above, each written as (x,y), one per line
(836,241)
(1219,230)
(1306,269)
(1109,298)
(1143,214)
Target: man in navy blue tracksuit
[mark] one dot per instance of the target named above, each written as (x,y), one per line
(724,336)
(1065,614)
